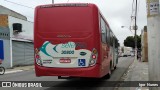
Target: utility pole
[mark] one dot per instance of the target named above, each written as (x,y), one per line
(153,26)
(135,36)
(52,1)
(135,28)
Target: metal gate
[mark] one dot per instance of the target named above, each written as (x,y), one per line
(23,53)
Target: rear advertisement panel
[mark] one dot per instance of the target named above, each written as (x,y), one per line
(63,55)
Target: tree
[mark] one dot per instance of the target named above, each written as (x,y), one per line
(130,41)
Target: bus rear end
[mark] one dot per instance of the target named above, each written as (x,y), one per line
(66,40)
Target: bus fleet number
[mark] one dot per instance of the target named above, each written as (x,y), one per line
(67,52)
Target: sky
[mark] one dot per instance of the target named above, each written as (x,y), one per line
(117,13)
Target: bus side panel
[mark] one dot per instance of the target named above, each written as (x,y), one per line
(105,64)
(105,57)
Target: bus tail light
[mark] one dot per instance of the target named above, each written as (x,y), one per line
(37,56)
(38,60)
(93,58)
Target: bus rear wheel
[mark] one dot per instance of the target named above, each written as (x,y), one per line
(108,76)
(115,67)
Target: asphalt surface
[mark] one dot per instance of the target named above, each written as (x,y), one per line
(71,84)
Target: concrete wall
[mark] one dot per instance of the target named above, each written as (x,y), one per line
(154,48)
(4,10)
(144,43)
(7,35)
(153,26)
(4,31)
(6,63)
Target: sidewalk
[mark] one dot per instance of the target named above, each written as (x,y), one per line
(137,71)
(19,69)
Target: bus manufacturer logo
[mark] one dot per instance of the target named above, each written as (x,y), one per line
(83,53)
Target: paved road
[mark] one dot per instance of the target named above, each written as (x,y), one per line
(29,75)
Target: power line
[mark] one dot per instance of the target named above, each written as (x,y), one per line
(18,4)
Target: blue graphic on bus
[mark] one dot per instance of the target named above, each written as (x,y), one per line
(81,62)
(1,50)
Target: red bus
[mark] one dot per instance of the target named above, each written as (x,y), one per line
(73,39)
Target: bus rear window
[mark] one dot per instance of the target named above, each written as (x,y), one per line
(65,19)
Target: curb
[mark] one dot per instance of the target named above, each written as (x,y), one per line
(19,69)
(124,74)
(121,79)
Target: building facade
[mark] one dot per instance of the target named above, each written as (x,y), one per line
(16,39)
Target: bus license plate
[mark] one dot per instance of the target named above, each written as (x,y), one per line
(65,60)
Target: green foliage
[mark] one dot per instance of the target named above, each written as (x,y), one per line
(130,41)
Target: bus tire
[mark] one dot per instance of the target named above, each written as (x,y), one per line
(115,67)
(2,70)
(108,76)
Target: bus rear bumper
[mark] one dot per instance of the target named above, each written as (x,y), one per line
(92,72)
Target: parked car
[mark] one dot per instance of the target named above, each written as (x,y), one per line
(120,55)
(132,54)
(125,54)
